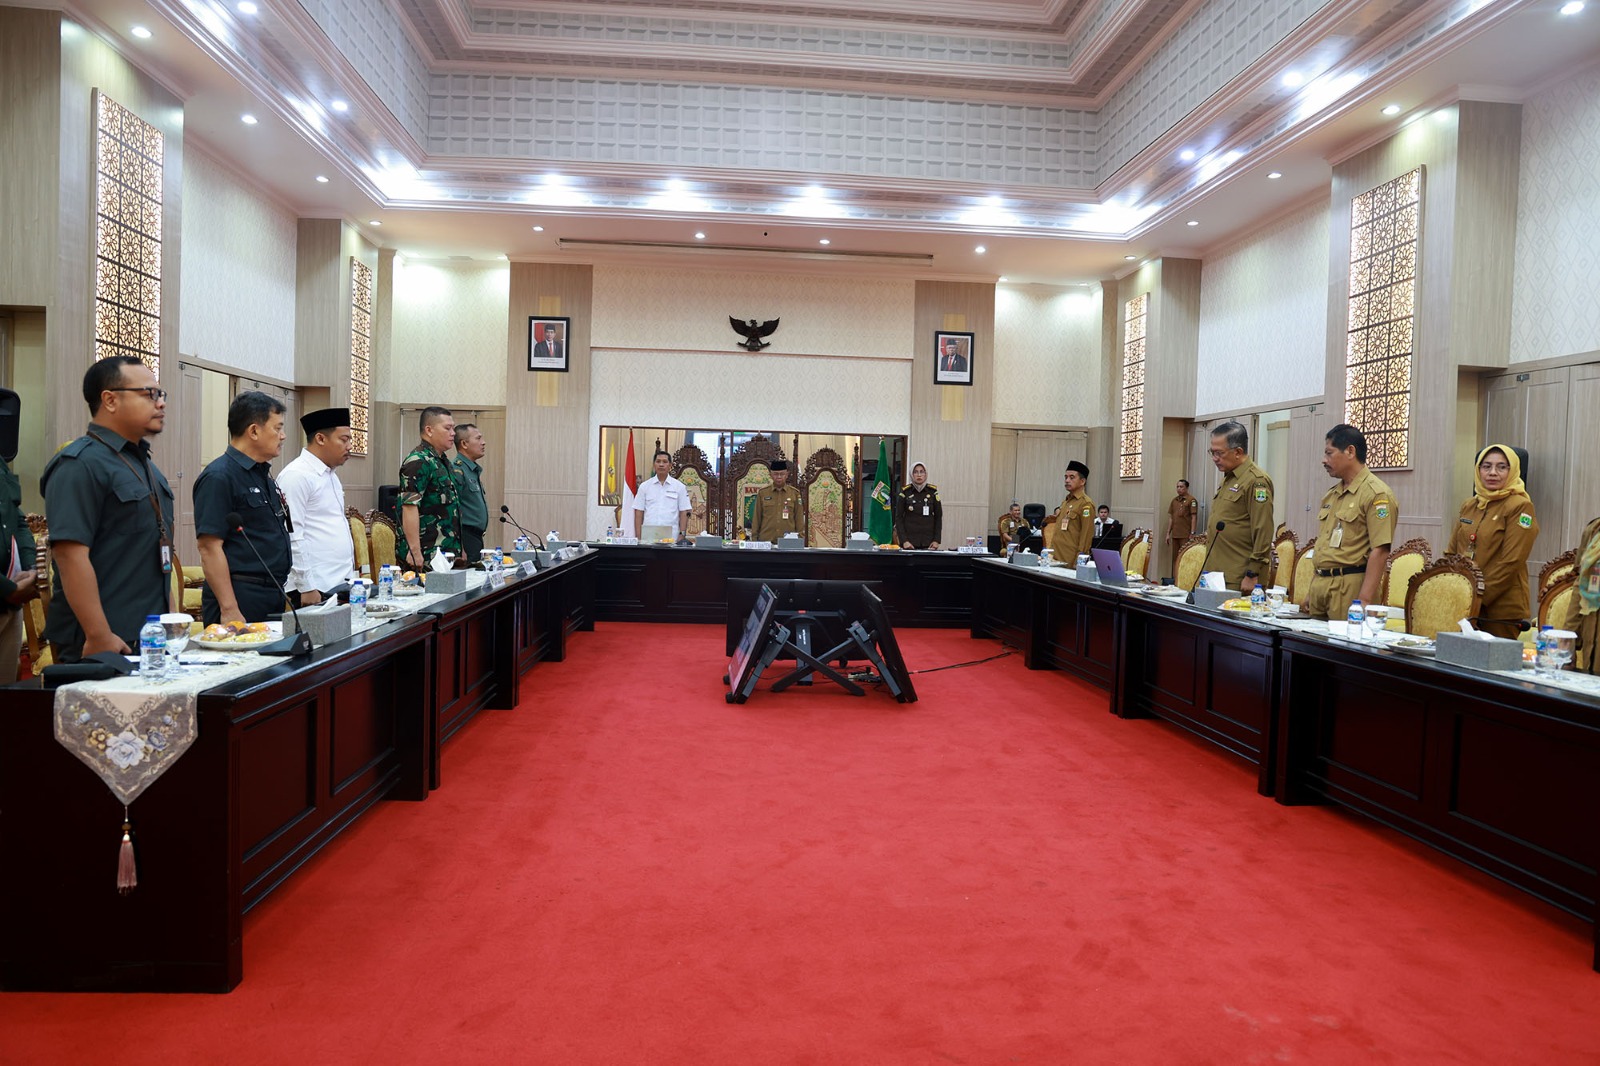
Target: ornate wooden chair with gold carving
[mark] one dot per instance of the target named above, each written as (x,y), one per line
(382,541)
(749,471)
(825,493)
(1405,563)
(1553,604)
(1137,559)
(1191,557)
(690,466)
(1563,565)
(1300,575)
(1442,594)
(1285,546)
(359,540)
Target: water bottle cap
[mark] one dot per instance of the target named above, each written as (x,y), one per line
(156,618)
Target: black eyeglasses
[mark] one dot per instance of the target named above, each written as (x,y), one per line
(156,395)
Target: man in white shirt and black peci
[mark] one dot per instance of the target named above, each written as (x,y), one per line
(322,552)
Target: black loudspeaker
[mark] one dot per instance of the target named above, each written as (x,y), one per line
(388,497)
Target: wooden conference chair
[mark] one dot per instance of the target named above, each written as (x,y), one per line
(1285,545)
(1302,572)
(358,538)
(1138,559)
(1191,557)
(1442,594)
(1556,599)
(381,542)
(1405,563)
(1563,565)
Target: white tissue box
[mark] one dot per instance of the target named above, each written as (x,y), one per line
(790,542)
(1023,559)
(517,558)
(1496,653)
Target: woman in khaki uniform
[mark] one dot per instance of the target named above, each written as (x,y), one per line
(1496,530)
(1583,610)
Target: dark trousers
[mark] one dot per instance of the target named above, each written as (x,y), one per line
(471,543)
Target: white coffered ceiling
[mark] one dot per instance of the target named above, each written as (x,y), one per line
(1060,135)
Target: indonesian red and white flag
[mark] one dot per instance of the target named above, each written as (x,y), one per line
(630,488)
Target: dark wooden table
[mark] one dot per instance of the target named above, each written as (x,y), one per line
(285,759)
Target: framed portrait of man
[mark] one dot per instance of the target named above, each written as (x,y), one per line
(547,344)
(952,358)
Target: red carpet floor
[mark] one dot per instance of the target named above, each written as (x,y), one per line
(629,870)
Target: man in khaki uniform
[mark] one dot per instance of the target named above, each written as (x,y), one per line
(1181,515)
(777,506)
(1355,528)
(1242,548)
(1074,530)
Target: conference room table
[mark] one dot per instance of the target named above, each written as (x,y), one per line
(1500,770)
(284,758)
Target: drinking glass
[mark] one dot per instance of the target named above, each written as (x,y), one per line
(1377,619)
(1556,651)
(177,627)
(1275,599)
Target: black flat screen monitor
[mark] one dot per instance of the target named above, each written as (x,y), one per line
(756,632)
(830,605)
(876,619)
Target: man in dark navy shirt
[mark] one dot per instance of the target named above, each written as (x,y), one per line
(238,586)
(110,513)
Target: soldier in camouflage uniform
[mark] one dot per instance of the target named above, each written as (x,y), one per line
(430,511)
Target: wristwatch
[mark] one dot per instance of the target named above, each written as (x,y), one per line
(1251,573)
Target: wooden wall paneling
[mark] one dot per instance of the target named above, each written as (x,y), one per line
(1547,435)
(30,56)
(320,315)
(1488,157)
(182,474)
(548,482)
(954,439)
(1583,460)
(1002,471)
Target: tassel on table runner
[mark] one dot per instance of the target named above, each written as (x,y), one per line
(127,875)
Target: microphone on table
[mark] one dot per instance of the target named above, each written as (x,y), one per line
(1221,525)
(297,643)
(506,516)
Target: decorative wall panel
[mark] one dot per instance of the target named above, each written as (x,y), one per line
(1553,309)
(128,203)
(361,353)
(1048,369)
(1131,425)
(647,308)
(810,131)
(1385,233)
(1263,316)
(450,332)
(237,273)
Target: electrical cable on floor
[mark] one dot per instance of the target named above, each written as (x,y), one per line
(872,677)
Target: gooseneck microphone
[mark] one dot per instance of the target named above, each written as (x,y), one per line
(507,516)
(296,644)
(1221,525)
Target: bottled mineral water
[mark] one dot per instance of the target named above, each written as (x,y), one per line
(386,583)
(153,650)
(1258,602)
(1356,622)
(358,601)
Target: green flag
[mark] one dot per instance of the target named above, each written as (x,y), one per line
(880,503)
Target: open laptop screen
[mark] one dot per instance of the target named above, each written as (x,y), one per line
(1108,565)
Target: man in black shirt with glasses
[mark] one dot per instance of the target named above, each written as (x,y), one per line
(110,511)
(238,587)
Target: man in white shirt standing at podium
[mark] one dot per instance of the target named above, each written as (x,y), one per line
(661,506)
(322,553)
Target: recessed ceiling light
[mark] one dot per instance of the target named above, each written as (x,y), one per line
(1130,258)
(247,8)
(1572,8)
(1192,222)
(248,120)
(1002,277)
(1293,79)
(322,179)
(141,33)
(980,249)
(1275,175)
(374,222)
(824,241)
(538,229)
(699,236)
(339,106)
(1392,109)
(1187,155)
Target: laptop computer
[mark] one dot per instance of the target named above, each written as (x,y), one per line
(1108,565)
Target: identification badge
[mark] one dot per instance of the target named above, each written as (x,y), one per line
(1594,580)
(786,512)
(1336,538)
(166,559)
(924,511)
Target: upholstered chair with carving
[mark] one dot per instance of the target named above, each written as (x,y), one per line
(1191,557)
(1443,594)
(1404,563)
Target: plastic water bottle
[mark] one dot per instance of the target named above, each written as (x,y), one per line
(153,650)
(1356,622)
(521,544)
(1543,646)
(386,583)
(1258,602)
(358,601)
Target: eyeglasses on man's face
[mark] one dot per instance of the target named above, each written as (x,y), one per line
(154,394)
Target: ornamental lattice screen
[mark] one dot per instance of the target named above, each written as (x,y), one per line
(1385,231)
(127,192)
